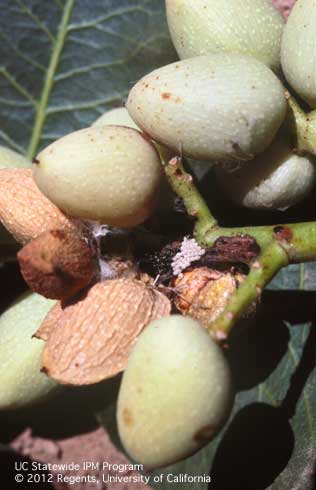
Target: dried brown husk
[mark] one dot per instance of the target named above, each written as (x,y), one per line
(93,337)
(25,211)
(58,263)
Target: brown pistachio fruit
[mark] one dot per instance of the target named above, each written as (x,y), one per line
(24,210)
(58,263)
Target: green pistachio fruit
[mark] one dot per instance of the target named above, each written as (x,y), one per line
(214,107)
(110,174)
(175,394)
(22,382)
(298,53)
(252,27)
(276,179)
(12,159)
(116,117)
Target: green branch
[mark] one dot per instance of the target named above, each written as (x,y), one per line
(262,270)
(182,184)
(279,246)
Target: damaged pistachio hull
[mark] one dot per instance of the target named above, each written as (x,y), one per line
(176,392)
(252,27)
(22,382)
(109,174)
(220,106)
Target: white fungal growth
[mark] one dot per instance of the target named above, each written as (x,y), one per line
(190,251)
(98,231)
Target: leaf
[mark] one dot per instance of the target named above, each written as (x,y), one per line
(63,63)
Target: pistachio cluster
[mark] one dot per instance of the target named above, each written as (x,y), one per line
(224,102)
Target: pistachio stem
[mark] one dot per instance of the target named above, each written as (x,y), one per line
(183,185)
(279,245)
(303,126)
(262,270)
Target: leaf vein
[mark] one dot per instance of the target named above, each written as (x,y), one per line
(49,79)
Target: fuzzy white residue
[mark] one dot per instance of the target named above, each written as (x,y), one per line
(190,251)
(98,231)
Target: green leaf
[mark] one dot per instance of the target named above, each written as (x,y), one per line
(63,63)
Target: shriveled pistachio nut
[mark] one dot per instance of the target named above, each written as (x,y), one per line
(298,53)
(252,27)
(58,264)
(12,159)
(176,392)
(219,106)
(22,382)
(277,179)
(203,293)
(109,174)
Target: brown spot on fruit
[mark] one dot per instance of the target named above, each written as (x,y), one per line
(166,95)
(127,417)
(205,434)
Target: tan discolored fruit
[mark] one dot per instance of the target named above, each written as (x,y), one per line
(22,381)
(25,211)
(252,27)
(214,107)
(91,338)
(110,174)
(58,264)
(175,394)
(276,179)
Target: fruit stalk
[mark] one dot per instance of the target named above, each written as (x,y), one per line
(183,185)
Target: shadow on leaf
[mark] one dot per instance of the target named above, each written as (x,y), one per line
(68,414)
(259,441)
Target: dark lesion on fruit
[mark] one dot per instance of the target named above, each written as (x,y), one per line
(204,434)
(36,161)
